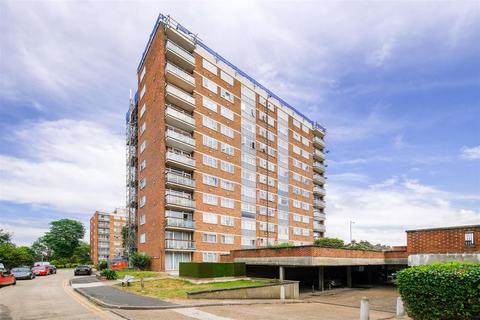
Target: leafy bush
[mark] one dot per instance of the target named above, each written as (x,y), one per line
(211,269)
(109,274)
(281,245)
(441,291)
(329,243)
(102,265)
(140,260)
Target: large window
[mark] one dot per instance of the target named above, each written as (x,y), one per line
(210,85)
(210,199)
(210,104)
(226,113)
(210,237)
(209,66)
(209,218)
(209,161)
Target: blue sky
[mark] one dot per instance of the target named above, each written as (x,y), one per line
(396,84)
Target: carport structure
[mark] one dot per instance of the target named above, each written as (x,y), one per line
(315,264)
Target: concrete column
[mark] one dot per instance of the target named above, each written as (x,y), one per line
(349,276)
(321,277)
(281,273)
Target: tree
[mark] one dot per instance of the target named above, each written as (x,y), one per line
(365,245)
(81,254)
(5,237)
(12,256)
(140,260)
(64,237)
(329,243)
(24,256)
(41,251)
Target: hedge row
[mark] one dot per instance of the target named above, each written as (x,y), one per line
(211,269)
(441,291)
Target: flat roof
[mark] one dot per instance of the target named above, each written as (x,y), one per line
(445,228)
(167,20)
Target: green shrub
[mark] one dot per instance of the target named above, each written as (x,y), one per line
(441,291)
(102,265)
(109,274)
(211,269)
(140,260)
(329,243)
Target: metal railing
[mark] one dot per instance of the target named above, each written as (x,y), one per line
(180,115)
(180,51)
(171,89)
(179,201)
(179,223)
(179,179)
(170,67)
(180,157)
(179,244)
(180,136)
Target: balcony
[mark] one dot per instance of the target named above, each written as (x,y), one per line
(318,131)
(318,227)
(179,77)
(181,181)
(177,223)
(318,178)
(179,139)
(180,119)
(179,39)
(318,166)
(318,215)
(180,56)
(174,201)
(184,245)
(318,154)
(318,190)
(180,159)
(317,203)
(318,142)
(179,97)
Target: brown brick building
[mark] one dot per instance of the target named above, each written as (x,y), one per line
(462,239)
(106,241)
(216,161)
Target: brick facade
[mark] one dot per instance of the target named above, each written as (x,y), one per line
(106,242)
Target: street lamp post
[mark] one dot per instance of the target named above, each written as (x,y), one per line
(351,223)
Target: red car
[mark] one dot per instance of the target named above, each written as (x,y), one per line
(41,271)
(6,278)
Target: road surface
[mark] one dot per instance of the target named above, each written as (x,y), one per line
(48,297)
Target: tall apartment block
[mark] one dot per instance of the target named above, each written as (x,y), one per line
(106,241)
(215,161)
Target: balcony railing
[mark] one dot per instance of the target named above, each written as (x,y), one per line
(180,118)
(318,215)
(170,67)
(318,227)
(179,244)
(179,51)
(174,200)
(183,180)
(180,136)
(318,141)
(180,97)
(172,222)
(318,178)
(318,190)
(181,158)
(318,154)
(318,203)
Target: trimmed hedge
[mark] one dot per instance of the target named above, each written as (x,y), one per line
(441,291)
(211,269)
(109,274)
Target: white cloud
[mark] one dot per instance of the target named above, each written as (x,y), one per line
(384,211)
(71,166)
(472,153)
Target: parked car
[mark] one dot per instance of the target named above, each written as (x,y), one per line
(23,273)
(83,269)
(53,269)
(6,278)
(41,270)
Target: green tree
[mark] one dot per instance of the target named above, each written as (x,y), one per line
(41,251)
(81,254)
(5,237)
(329,243)
(12,256)
(64,237)
(365,245)
(140,260)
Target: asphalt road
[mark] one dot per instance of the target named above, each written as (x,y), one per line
(47,297)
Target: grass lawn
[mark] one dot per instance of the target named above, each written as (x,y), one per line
(177,288)
(138,274)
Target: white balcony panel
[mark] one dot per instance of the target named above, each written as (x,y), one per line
(180,56)
(179,119)
(179,77)
(179,160)
(179,97)
(179,140)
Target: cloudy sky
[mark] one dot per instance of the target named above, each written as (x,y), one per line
(396,84)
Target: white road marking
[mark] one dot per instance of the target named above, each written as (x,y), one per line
(197,314)
(87,285)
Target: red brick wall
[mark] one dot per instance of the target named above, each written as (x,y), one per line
(442,240)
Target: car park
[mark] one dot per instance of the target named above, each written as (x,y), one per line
(6,278)
(41,270)
(23,273)
(83,269)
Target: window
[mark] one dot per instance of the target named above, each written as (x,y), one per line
(143,127)
(226,131)
(142,238)
(226,77)
(262,178)
(248,241)
(297,217)
(142,219)
(208,103)
(142,74)
(209,123)
(282,215)
(247,175)
(262,132)
(271,151)
(227,95)
(227,221)
(210,199)
(226,113)
(210,180)
(296,123)
(209,66)
(227,203)
(297,231)
(249,192)
(305,154)
(469,239)
(263,211)
(305,219)
(143,146)
(209,161)
(305,128)
(210,257)
(271,121)
(248,207)
(142,110)
(297,150)
(271,136)
(209,218)
(305,141)
(143,201)
(296,136)
(227,167)
(210,237)
(227,239)
(227,185)
(142,92)
(143,164)
(210,85)
(228,149)
(248,224)
(305,232)
(297,204)
(210,142)
(282,230)
(143,183)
